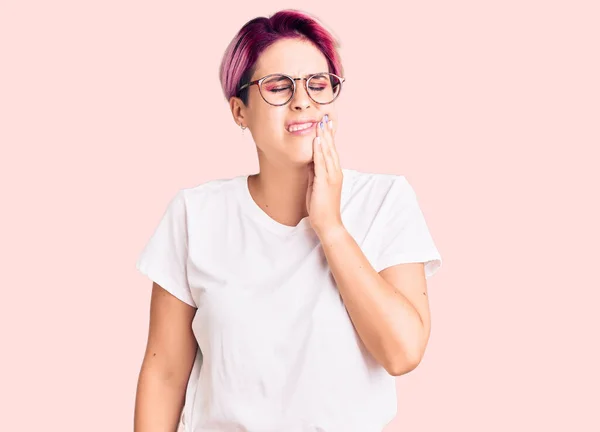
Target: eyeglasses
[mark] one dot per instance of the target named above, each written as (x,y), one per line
(278,89)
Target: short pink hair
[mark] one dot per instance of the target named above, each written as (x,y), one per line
(239,61)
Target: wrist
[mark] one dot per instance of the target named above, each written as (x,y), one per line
(332,232)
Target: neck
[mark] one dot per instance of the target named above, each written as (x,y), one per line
(281,192)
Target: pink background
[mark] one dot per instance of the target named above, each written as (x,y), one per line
(491,110)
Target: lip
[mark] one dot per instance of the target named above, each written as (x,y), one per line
(308,130)
(302,121)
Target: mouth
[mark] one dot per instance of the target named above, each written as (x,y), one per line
(301,129)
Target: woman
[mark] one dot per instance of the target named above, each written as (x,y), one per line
(285,300)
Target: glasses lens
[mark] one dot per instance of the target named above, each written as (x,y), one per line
(277,89)
(324,87)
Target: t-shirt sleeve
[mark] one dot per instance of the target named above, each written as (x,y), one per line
(164,259)
(405,236)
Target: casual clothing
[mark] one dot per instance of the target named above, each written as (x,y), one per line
(277,350)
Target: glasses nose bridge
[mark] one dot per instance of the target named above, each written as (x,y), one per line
(303,85)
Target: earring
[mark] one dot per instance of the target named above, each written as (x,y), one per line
(243,128)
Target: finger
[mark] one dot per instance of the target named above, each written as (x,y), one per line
(333,128)
(330,128)
(311,174)
(332,149)
(327,155)
(319,130)
(318,136)
(318,158)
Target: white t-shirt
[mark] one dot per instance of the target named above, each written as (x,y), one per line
(277,350)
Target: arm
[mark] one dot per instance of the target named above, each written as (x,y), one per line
(389,310)
(167,363)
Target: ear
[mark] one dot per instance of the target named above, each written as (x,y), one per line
(238,110)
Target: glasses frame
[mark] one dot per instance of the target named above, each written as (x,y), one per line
(305,79)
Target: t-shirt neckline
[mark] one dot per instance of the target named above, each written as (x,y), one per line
(259,215)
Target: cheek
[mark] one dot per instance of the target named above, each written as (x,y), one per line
(269,116)
(274,123)
(270,130)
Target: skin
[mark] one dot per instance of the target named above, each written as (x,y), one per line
(301,177)
(298,178)
(168,361)
(281,187)
(287,187)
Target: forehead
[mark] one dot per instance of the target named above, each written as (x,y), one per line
(292,57)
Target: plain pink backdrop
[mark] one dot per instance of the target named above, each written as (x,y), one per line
(490,109)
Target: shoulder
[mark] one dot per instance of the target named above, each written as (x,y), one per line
(379,178)
(378,184)
(211,204)
(210,190)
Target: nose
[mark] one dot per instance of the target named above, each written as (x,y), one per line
(300,100)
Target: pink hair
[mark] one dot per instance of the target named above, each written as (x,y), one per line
(239,61)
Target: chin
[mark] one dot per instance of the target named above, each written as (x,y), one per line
(301,156)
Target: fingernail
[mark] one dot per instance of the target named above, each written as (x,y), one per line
(321,125)
(326,118)
(331,124)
